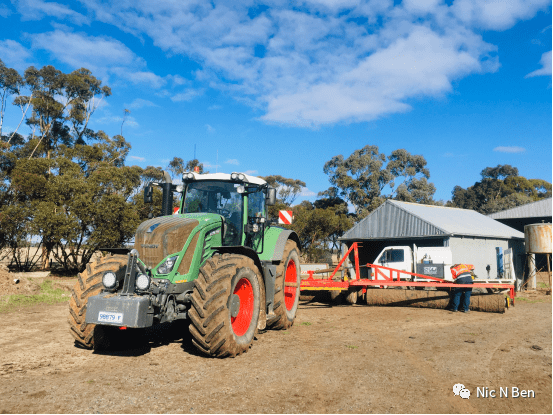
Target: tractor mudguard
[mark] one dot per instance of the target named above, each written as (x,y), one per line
(275,241)
(117,310)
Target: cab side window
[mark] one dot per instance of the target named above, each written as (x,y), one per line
(256,204)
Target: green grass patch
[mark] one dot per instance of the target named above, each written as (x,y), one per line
(350,346)
(532,300)
(47,295)
(305,323)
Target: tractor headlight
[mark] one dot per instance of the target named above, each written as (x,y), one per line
(109,280)
(142,282)
(188,176)
(167,266)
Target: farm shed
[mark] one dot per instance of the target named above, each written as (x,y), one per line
(471,236)
(520,216)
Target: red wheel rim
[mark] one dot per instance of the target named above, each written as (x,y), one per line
(241,323)
(289,291)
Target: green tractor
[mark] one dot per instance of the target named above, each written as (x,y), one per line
(217,263)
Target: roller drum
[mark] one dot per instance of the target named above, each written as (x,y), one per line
(492,303)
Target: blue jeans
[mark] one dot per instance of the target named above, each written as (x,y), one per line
(464,292)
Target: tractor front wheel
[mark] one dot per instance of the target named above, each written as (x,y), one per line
(89,283)
(226,305)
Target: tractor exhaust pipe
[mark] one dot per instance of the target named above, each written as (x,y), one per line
(167,199)
(167,188)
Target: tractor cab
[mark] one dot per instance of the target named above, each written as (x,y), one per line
(240,199)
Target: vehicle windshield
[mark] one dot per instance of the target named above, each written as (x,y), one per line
(217,197)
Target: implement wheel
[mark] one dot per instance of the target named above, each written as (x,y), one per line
(352,295)
(287,287)
(226,305)
(89,283)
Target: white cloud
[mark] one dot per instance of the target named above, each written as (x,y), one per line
(509,149)
(14,54)
(141,103)
(143,77)
(209,128)
(4,10)
(305,192)
(109,118)
(208,165)
(423,63)
(233,161)
(80,50)
(37,9)
(325,61)
(131,122)
(187,95)
(251,172)
(103,55)
(178,80)
(136,158)
(545,62)
(214,107)
(496,14)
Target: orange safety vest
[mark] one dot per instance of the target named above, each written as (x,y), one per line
(459,269)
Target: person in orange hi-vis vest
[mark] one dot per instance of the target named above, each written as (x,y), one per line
(462,274)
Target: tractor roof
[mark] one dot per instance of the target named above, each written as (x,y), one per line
(227,177)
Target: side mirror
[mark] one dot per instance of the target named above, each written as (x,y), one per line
(148,194)
(270,200)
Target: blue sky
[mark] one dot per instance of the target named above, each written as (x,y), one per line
(270,88)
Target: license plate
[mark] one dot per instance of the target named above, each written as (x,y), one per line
(108,317)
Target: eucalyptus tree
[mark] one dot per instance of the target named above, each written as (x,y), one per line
(362,178)
(287,189)
(500,188)
(10,84)
(62,105)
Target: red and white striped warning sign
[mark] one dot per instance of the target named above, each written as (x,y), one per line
(176,210)
(285,217)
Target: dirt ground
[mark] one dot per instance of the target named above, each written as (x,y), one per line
(335,359)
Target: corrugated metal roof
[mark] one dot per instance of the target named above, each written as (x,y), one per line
(538,209)
(396,219)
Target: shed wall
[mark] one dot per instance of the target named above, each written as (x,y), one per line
(481,252)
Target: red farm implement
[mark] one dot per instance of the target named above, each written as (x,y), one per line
(385,277)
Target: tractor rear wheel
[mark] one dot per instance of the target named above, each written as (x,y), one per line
(287,287)
(226,305)
(89,283)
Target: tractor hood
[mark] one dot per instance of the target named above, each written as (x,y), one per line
(156,238)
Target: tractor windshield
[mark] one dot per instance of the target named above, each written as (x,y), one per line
(217,197)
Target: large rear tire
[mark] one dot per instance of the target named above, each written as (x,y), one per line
(226,305)
(89,283)
(287,287)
